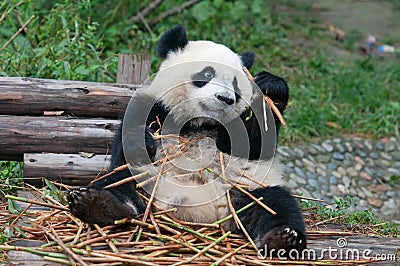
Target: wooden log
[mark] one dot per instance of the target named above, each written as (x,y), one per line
(70,169)
(27,134)
(30,96)
(133,68)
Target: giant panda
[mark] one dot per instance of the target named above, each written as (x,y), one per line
(202,90)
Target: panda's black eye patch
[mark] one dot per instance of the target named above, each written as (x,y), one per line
(201,78)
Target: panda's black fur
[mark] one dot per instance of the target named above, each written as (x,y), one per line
(285,230)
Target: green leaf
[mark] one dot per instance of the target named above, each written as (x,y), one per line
(51,186)
(203,11)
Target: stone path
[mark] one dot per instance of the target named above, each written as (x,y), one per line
(365,169)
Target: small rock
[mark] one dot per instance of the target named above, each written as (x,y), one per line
(379,145)
(375,202)
(290,164)
(343,189)
(348,157)
(318,148)
(394,171)
(311,175)
(392,194)
(313,183)
(328,147)
(368,171)
(374,155)
(332,166)
(361,154)
(297,179)
(336,174)
(321,171)
(368,144)
(324,158)
(367,192)
(365,176)
(386,156)
(379,188)
(284,151)
(322,166)
(346,181)
(308,162)
(332,180)
(359,160)
(340,148)
(384,162)
(363,203)
(338,156)
(334,189)
(300,172)
(299,152)
(312,150)
(299,163)
(360,193)
(292,183)
(396,155)
(358,167)
(349,146)
(341,170)
(390,146)
(337,140)
(351,171)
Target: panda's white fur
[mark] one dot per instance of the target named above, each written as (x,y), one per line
(192,181)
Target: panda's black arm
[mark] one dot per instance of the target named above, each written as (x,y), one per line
(276,89)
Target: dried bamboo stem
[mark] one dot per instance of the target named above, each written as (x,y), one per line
(108,241)
(68,252)
(36,202)
(127,180)
(118,169)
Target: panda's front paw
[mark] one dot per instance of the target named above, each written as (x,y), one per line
(97,206)
(283,238)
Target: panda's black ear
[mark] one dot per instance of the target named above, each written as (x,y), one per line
(247,59)
(171,41)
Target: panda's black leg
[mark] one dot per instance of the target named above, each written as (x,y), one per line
(96,205)
(285,230)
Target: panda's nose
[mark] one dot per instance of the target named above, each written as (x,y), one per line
(225,97)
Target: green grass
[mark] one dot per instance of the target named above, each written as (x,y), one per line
(10,177)
(79,40)
(339,212)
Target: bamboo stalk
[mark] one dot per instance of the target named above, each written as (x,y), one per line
(108,241)
(68,252)
(204,250)
(36,202)
(127,180)
(237,212)
(238,222)
(117,169)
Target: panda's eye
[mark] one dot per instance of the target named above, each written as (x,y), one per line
(200,79)
(208,74)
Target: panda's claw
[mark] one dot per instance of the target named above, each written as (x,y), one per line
(284,238)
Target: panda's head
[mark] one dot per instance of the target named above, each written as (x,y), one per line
(201,81)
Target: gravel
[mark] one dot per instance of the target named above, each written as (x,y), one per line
(365,169)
